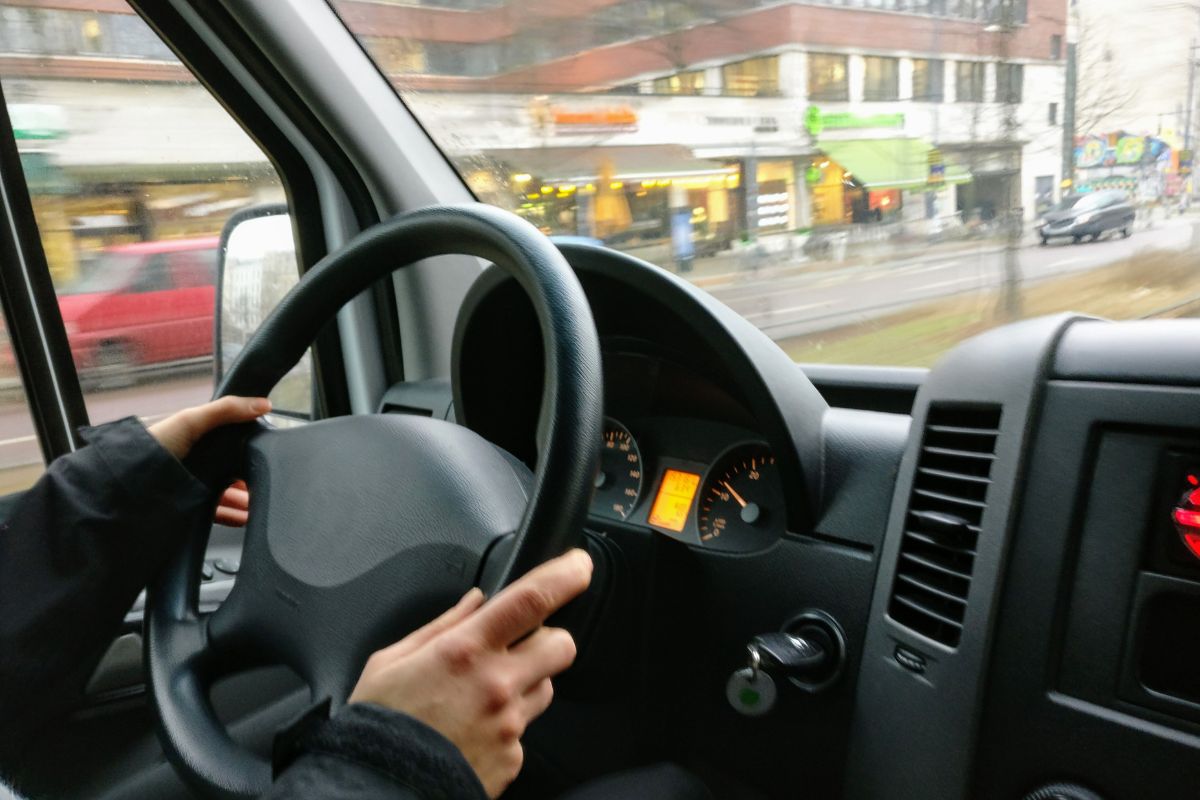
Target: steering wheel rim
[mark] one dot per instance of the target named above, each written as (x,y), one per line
(180,642)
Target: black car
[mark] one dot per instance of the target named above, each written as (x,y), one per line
(1090,215)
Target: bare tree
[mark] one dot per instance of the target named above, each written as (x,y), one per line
(1102,92)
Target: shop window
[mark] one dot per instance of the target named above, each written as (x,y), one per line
(827,77)
(1053,115)
(754,77)
(1010,81)
(882,78)
(929,78)
(969,78)
(1055,46)
(682,83)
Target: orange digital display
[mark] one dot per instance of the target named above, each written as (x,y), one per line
(675,495)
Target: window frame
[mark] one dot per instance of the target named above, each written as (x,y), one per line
(977,75)
(934,93)
(889,93)
(1009,90)
(839,97)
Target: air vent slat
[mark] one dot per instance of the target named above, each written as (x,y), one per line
(949,498)
(915,606)
(934,563)
(953,476)
(945,519)
(947,451)
(924,587)
(965,431)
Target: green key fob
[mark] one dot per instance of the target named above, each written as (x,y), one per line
(751,692)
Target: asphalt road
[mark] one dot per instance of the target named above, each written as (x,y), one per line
(782,301)
(795,303)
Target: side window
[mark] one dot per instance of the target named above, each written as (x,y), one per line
(152,276)
(125,152)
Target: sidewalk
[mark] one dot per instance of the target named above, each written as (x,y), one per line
(741,262)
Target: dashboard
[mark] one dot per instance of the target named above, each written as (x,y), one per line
(996,553)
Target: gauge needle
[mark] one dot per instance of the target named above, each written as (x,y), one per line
(736,496)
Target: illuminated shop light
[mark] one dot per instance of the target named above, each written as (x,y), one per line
(617,185)
(547,189)
(522,177)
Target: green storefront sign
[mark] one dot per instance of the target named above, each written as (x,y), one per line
(816,121)
(34,121)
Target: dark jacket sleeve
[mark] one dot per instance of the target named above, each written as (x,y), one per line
(367,752)
(75,552)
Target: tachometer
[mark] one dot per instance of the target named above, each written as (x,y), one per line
(619,481)
(741,503)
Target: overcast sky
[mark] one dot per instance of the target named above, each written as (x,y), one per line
(1148,41)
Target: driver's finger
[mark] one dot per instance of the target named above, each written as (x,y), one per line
(524,605)
(236,498)
(459,611)
(226,411)
(233,517)
(543,655)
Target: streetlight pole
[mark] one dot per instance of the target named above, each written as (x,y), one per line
(1013,220)
(1069,104)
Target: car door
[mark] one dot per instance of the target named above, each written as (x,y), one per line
(183,174)
(141,318)
(194,273)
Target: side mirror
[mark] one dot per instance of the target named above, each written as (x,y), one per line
(256,267)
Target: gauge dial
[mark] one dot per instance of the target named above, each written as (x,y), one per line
(619,481)
(741,504)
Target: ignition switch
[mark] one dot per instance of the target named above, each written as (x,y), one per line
(807,653)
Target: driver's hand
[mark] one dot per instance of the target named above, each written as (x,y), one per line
(480,673)
(179,432)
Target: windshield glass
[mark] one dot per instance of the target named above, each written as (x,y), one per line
(107,272)
(1093,201)
(861,179)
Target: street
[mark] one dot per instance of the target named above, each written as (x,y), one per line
(782,300)
(799,303)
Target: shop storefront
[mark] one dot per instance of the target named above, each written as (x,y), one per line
(860,181)
(622,195)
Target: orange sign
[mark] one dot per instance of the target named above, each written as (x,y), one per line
(674,500)
(608,118)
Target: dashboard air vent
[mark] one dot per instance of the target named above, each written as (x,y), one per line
(941,527)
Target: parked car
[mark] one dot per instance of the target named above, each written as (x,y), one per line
(149,303)
(1090,215)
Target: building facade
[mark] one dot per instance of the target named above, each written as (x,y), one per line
(619,119)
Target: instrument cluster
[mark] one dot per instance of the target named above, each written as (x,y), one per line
(703,483)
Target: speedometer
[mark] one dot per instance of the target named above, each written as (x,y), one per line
(619,481)
(741,503)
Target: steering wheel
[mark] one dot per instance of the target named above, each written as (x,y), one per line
(362,528)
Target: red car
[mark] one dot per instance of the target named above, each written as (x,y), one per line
(143,304)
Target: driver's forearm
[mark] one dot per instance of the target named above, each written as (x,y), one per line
(367,752)
(74,554)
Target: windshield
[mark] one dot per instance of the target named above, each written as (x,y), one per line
(861,179)
(1093,201)
(107,272)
